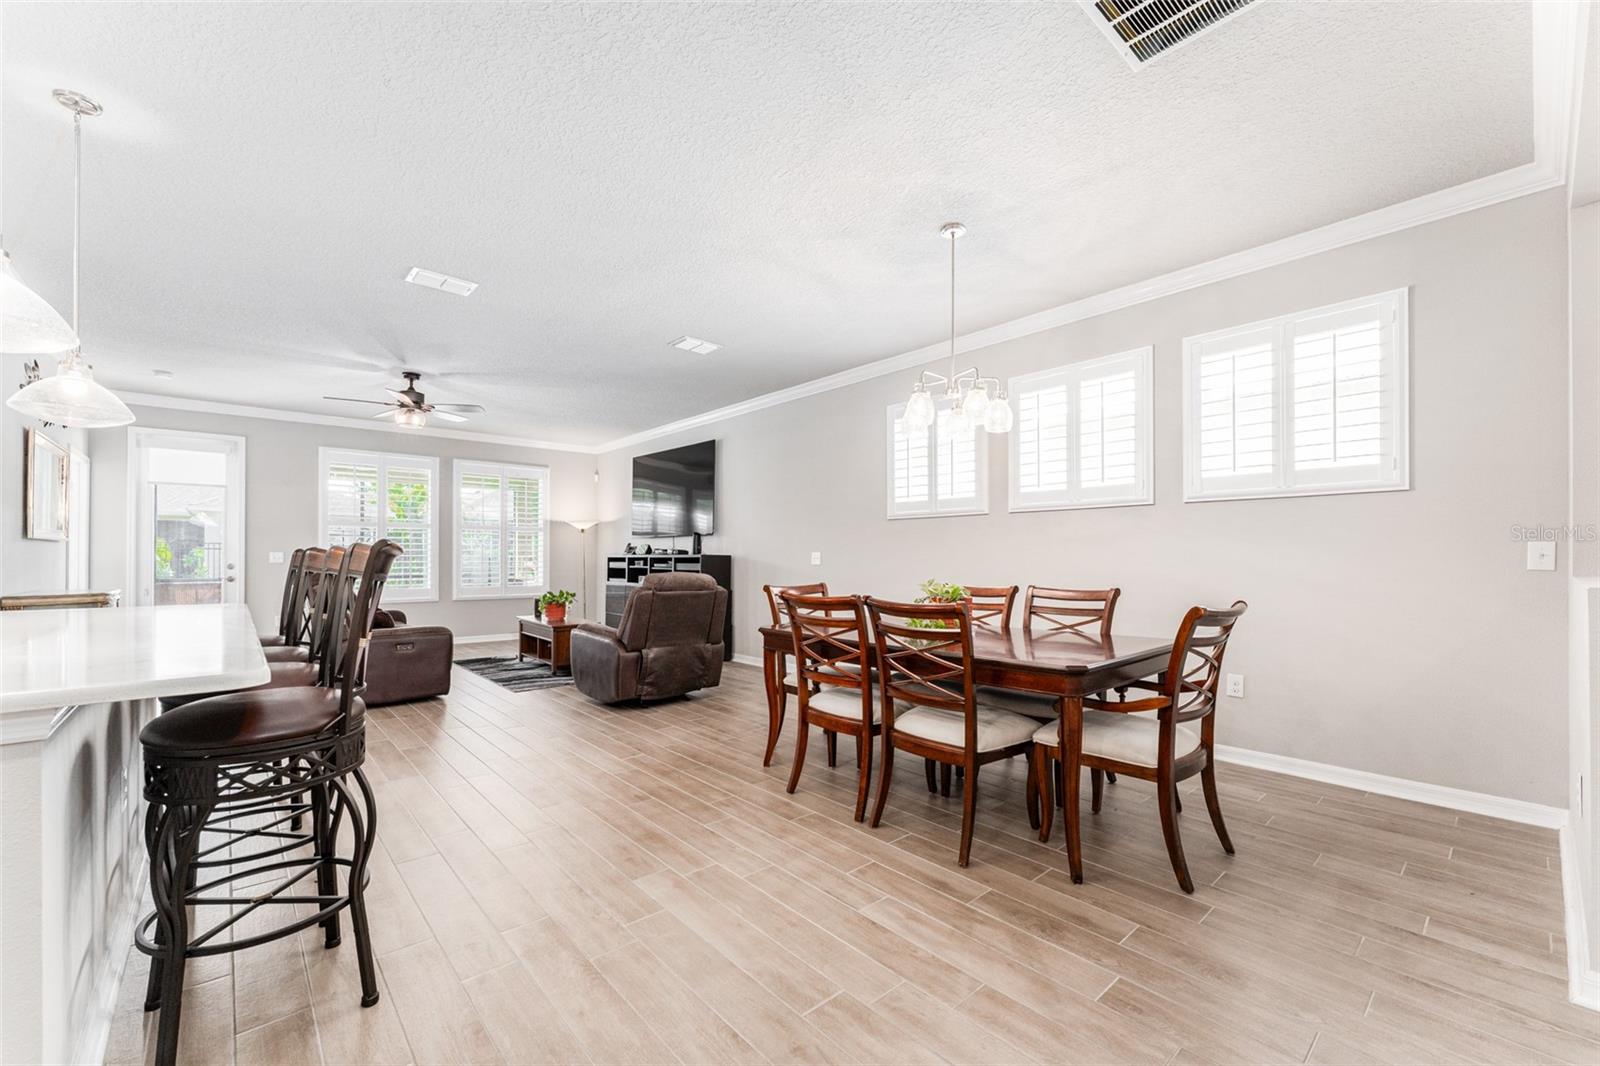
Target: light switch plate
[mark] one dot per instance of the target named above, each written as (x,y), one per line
(1236,686)
(816,558)
(274,557)
(1541,555)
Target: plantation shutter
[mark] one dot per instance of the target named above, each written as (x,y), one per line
(1342,395)
(1043,446)
(910,468)
(478,531)
(956,466)
(1082,434)
(1236,398)
(502,529)
(366,496)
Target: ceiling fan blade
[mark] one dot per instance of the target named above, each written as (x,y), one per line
(464,408)
(350,399)
(398,394)
(446,415)
(385,414)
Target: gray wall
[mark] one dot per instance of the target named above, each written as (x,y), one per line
(1391,632)
(281,507)
(26,565)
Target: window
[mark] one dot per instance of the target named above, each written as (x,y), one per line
(367,495)
(502,530)
(1306,404)
(1082,435)
(932,472)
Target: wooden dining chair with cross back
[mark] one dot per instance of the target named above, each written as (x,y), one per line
(1087,612)
(833,682)
(929,703)
(786,687)
(992,604)
(1149,739)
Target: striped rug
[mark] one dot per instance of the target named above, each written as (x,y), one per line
(518,677)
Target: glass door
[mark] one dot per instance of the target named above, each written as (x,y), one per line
(189,533)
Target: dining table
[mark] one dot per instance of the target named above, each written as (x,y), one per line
(1053,661)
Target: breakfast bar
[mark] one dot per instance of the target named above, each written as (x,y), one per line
(76,686)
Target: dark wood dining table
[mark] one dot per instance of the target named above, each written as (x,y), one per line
(1059,663)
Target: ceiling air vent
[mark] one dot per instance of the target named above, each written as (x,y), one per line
(1141,30)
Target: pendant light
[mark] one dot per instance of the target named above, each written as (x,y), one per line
(71,397)
(973,401)
(28,324)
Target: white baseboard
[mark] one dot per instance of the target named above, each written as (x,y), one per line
(1583,981)
(1459,799)
(748,660)
(486,638)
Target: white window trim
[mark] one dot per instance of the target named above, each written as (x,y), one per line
(934,510)
(521,592)
(1277,486)
(383,460)
(1143,492)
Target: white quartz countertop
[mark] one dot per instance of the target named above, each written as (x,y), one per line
(59,658)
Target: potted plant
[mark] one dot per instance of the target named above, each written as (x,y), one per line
(934,591)
(554,604)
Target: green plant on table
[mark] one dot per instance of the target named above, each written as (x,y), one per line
(563,597)
(935,591)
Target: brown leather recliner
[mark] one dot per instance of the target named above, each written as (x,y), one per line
(406,662)
(669,642)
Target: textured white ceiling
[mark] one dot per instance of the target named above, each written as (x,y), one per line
(769,177)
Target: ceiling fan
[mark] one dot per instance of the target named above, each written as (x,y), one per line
(411,408)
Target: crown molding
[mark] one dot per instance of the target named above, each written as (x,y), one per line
(239,410)
(1558,42)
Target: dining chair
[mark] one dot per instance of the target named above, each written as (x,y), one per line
(833,682)
(1086,612)
(286,609)
(791,679)
(991,604)
(1149,739)
(929,703)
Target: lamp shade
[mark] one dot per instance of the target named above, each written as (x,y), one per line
(71,397)
(29,325)
(583,525)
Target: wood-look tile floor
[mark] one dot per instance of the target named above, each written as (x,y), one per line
(562,882)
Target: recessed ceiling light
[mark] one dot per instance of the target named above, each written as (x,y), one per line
(432,279)
(695,345)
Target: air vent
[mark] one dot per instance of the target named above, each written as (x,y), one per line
(1142,30)
(695,345)
(432,279)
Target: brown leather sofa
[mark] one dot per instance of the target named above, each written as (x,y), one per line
(669,642)
(406,662)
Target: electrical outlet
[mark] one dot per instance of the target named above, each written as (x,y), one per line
(1236,686)
(274,557)
(816,558)
(1541,555)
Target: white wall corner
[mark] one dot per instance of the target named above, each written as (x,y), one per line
(1583,980)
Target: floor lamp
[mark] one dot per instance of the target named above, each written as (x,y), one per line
(583,526)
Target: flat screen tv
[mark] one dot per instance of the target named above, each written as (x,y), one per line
(674,492)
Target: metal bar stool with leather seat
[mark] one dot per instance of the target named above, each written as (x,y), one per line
(1146,739)
(294,627)
(248,752)
(286,611)
(307,669)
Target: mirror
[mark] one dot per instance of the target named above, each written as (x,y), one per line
(44,488)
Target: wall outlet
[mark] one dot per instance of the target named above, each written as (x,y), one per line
(816,558)
(274,557)
(1236,686)
(1541,555)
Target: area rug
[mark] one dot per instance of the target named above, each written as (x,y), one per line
(518,677)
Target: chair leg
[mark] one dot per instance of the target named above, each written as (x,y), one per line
(174,843)
(946,772)
(833,747)
(1166,802)
(883,780)
(1208,780)
(1071,753)
(969,811)
(1032,789)
(363,835)
(1111,777)
(1177,800)
(1047,793)
(864,769)
(931,769)
(1097,786)
(802,732)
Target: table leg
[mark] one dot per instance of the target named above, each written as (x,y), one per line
(772,674)
(1071,758)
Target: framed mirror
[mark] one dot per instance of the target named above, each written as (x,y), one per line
(44,488)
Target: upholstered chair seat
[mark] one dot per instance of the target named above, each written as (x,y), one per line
(284,654)
(1029,704)
(258,716)
(1129,738)
(284,675)
(996,728)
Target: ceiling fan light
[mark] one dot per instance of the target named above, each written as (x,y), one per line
(28,324)
(410,418)
(71,397)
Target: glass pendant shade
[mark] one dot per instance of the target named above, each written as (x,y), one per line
(28,324)
(977,402)
(410,418)
(998,417)
(72,398)
(919,409)
(959,422)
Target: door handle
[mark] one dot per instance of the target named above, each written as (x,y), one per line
(230,577)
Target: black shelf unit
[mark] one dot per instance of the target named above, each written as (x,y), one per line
(623,572)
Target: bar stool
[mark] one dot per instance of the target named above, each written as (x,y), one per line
(301,633)
(213,765)
(286,611)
